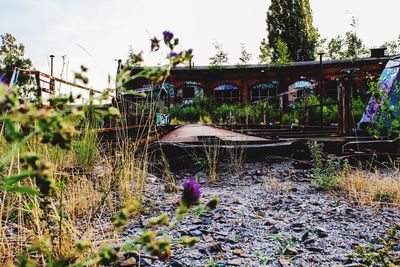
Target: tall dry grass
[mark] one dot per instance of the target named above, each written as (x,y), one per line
(93,179)
(371,187)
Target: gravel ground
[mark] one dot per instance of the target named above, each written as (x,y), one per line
(269,215)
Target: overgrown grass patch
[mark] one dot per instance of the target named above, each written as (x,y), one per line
(371,187)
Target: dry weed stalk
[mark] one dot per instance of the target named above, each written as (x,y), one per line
(212,154)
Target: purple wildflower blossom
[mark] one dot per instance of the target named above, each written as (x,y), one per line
(191,192)
(173,54)
(168,36)
(376,107)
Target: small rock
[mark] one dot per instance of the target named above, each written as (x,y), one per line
(291,251)
(196,233)
(309,241)
(322,245)
(237,252)
(269,222)
(305,236)
(216,247)
(235,262)
(283,261)
(208,238)
(322,232)
(217,217)
(314,249)
(378,246)
(175,263)
(274,230)
(207,221)
(129,262)
(341,258)
(297,225)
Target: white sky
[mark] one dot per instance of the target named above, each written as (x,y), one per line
(95,32)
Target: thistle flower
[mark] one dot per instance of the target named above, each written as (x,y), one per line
(168,36)
(189,51)
(191,192)
(155,44)
(173,54)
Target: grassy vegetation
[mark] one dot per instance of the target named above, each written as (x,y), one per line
(64,193)
(327,171)
(371,188)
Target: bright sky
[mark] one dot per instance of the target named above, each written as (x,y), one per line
(96,32)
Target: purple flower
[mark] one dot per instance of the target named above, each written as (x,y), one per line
(173,54)
(191,192)
(376,107)
(3,79)
(168,36)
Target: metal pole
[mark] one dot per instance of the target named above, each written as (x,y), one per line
(52,82)
(116,78)
(321,89)
(51,65)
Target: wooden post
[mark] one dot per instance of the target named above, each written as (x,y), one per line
(345,93)
(39,91)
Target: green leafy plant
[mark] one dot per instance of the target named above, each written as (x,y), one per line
(326,174)
(383,254)
(384,110)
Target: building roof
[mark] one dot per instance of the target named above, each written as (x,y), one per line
(292,64)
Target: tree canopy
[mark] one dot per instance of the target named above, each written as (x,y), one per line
(349,46)
(12,54)
(290,22)
(220,58)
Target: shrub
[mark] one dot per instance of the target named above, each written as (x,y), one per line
(358,108)
(326,174)
(266,112)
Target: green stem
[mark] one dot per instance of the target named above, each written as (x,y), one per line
(17,146)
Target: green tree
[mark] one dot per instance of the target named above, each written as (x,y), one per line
(291,22)
(220,58)
(245,56)
(134,59)
(265,52)
(335,48)
(349,46)
(355,46)
(12,54)
(393,47)
(282,53)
